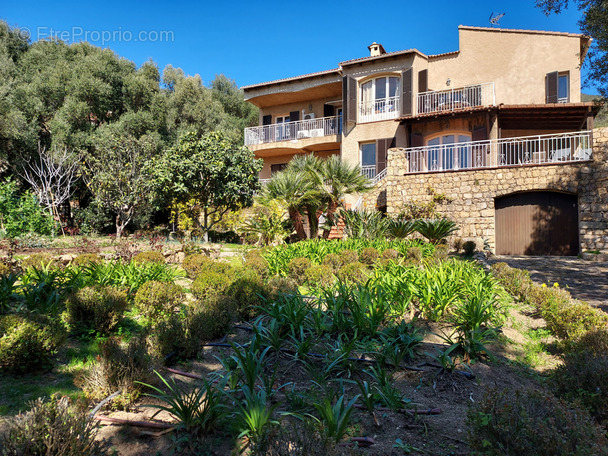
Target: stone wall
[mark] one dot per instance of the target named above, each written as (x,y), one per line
(472,192)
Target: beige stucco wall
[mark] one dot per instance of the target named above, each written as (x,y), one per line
(516,62)
(473,192)
(285,158)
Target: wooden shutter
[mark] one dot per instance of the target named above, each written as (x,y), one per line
(294,116)
(267,120)
(416,140)
(328,110)
(349,100)
(423,81)
(406,92)
(382,147)
(551,86)
(480,133)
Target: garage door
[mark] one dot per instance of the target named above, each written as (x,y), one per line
(537,223)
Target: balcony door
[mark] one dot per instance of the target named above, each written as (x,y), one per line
(379,99)
(282,130)
(449,152)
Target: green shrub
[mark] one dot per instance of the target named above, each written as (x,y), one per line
(390,254)
(51,428)
(157,300)
(95,308)
(86,259)
(120,366)
(28,342)
(354,272)
(39,260)
(469,248)
(436,230)
(248,292)
(297,269)
(334,261)
(457,244)
(516,281)
(5,269)
(582,376)
(347,257)
(320,275)
(281,285)
(210,284)
(532,423)
(151,256)
(369,256)
(169,336)
(414,254)
(196,263)
(257,264)
(209,320)
(572,321)
(441,252)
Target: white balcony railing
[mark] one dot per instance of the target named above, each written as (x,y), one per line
(496,153)
(383,109)
(454,99)
(301,129)
(371,174)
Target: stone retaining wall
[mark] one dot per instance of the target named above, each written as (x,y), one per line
(472,192)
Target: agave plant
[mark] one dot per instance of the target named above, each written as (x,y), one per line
(364,224)
(435,230)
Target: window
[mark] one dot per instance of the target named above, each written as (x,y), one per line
(282,130)
(277,168)
(447,152)
(563,84)
(368,159)
(379,99)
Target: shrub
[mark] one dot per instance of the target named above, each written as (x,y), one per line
(369,256)
(169,336)
(582,376)
(196,263)
(353,272)
(297,268)
(348,256)
(516,281)
(150,256)
(210,284)
(4,269)
(281,285)
(157,300)
(257,264)
(28,342)
(95,308)
(208,320)
(86,259)
(39,260)
(248,292)
(532,423)
(469,248)
(436,230)
(51,428)
(570,322)
(334,261)
(457,244)
(120,366)
(391,254)
(319,275)
(441,252)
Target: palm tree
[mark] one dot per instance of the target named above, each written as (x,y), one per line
(315,201)
(338,179)
(294,188)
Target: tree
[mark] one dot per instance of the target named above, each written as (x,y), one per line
(119,174)
(210,174)
(594,22)
(52,177)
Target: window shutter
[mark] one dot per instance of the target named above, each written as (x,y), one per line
(406,93)
(349,100)
(480,133)
(416,140)
(382,147)
(551,87)
(294,116)
(267,120)
(423,81)
(328,111)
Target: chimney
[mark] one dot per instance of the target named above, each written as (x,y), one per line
(376,49)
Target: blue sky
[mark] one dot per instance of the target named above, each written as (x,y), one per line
(253,42)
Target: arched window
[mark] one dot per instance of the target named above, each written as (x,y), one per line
(449,151)
(379,99)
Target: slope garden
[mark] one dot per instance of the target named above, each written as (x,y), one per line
(319,347)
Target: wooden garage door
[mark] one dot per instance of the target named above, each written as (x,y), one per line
(537,223)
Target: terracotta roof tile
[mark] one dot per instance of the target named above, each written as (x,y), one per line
(377,57)
(292,78)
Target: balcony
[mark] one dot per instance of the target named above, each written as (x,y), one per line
(497,153)
(371,173)
(290,131)
(382,109)
(456,99)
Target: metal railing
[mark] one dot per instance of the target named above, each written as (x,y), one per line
(496,153)
(383,109)
(371,174)
(454,99)
(301,129)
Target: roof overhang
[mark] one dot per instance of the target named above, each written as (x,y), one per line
(551,116)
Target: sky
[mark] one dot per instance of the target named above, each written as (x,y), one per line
(253,42)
